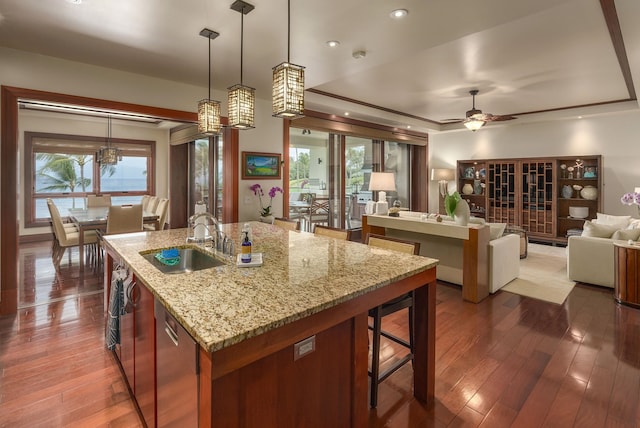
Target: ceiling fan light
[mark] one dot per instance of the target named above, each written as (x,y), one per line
(242,100)
(474,124)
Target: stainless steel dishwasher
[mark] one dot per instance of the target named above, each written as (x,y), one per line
(176,372)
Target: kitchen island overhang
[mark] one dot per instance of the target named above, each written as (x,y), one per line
(248,319)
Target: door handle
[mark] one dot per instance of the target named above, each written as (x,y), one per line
(171,333)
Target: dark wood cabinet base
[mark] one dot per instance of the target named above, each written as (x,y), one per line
(627,282)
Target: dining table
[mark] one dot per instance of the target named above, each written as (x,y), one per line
(96,219)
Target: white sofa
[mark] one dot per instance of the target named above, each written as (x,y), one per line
(590,256)
(503,253)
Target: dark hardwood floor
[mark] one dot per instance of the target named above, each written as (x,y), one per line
(508,361)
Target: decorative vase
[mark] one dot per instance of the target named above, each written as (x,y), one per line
(462,213)
(567,191)
(477,188)
(266,219)
(467,189)
(589,192)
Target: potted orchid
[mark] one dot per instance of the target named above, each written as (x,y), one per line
(265,210)
(631,198)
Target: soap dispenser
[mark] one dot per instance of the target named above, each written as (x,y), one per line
(246,248)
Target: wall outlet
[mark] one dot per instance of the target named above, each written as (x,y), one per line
(247,200)
(304,347)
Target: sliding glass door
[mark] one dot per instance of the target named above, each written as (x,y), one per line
(335,169)
(206,174)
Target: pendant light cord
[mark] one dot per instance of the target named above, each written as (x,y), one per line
(288,30)
(241,41)
(109,132)
(209,37)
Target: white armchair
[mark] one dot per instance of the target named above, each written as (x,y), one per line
(591,260)
(504,261)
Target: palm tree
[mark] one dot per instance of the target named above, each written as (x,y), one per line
(60,172)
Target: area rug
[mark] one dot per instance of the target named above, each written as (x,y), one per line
(543,275)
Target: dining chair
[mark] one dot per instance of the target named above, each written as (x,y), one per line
(153,203)
(120,219)
(332,232)
(161,211)
(124,219)
(318,212)
(145,202)
(67,237)
(286,223)
(96,201)
(388,308)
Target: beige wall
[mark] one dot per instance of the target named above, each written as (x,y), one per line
(614,136)
(38,72)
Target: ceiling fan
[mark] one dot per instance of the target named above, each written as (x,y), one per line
(476,119)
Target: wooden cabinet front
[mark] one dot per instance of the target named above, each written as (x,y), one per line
(136,351)
(547,197)
(144,356)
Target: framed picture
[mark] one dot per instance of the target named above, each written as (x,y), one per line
(261,165)
(590,172)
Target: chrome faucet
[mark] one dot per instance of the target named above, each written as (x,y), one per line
(210,235)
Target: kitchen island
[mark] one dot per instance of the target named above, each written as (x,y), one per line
(286,344)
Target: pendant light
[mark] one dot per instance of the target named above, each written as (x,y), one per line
(208,109)
(242,99)
(109,155)
(288,83)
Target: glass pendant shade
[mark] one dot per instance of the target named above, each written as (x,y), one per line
(474,124)
(109,156)
(209,117)
(242,100)
(288,91)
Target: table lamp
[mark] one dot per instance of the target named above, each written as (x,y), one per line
(382,182)
(442,176)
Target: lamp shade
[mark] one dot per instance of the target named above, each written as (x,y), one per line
(442,174)
(288,91)
(382,181)
(209,117)
(637,190)
(109,156)
(241,106)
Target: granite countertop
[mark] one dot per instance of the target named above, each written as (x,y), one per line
(301,275)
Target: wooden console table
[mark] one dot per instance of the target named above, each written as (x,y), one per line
(473,240)
(627,274)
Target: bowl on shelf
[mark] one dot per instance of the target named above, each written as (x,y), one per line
(578,212)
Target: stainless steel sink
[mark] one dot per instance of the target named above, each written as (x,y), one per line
(191,260)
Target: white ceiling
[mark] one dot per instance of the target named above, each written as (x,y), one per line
(523,56)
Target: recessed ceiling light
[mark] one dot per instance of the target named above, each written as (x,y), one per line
(408,126)
(346,113)
(74,1)
(333,43)
(399,13)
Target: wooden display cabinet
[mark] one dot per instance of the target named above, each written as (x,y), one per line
(528,192)
(590,174)
(537,208)
(471,177)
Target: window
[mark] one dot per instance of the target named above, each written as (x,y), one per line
(64,168)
